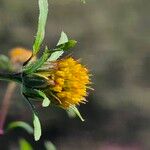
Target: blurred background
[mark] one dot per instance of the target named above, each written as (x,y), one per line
(114,43)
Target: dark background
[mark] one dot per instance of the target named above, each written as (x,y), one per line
(114,42)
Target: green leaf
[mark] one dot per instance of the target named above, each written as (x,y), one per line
(5,63)
(43,12)
(46,101)
(61,48)
(56,55)
(37,127)
(74,111)
(63,39)
(49,146)
(36,121)
(24,145)
(20,124)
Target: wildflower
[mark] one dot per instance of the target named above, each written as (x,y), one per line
(63,82)
(68,81)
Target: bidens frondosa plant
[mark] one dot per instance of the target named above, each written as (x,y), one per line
(49,79)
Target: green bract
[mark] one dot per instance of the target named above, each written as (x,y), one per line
(37,127)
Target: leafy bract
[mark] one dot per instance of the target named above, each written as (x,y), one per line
(43,12)
(73,111)
(37,127)
(46,101)
(63,39)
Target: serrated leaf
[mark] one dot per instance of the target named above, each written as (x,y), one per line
(37,127)
(43,12)
(63,39)
(46,101)
(20,124)
(24,145)
(76,111)
(49,146)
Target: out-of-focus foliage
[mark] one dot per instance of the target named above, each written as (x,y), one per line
(5,63)
(20,124)
(24,145)
(50,146)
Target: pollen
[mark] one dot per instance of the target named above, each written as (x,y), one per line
(71,80)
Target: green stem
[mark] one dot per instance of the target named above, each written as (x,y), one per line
(16,77)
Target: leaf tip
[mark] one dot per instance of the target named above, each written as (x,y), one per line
(37,128)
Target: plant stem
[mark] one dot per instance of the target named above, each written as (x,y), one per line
(5,105)
(16,77)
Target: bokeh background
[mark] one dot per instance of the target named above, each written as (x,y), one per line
(114,42)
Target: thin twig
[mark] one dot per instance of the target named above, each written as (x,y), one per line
(6,104)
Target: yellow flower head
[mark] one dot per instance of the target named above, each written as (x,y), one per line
(69,80)
(20,55)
